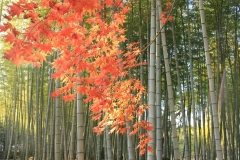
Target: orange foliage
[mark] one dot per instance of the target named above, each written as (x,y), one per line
(87,44)
(166,15)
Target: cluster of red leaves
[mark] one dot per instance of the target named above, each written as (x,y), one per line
(88,44)
(166,15)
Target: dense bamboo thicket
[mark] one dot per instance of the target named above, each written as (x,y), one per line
(191,75)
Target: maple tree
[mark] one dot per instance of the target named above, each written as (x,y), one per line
(166,15)
(87,43)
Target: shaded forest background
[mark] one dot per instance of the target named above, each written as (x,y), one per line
(27,112)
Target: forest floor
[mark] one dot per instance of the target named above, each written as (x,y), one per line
(10,156)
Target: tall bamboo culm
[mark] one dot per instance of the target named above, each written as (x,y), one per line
(211,84)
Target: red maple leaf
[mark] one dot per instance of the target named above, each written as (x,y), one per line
(69,97)
(150,149)
(108,2)
(168,4)
(5,27)
(15,9)
(10,38)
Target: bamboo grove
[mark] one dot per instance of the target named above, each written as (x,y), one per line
(113,79)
